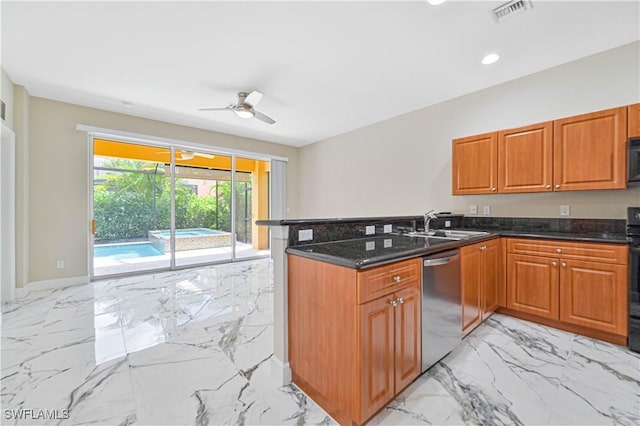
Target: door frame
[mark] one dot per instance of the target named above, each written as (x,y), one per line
(7,214)
(97,133)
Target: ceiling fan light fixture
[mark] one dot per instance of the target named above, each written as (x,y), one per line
(435,2)
(244,112)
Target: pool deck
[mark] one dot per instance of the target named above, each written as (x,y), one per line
(104,266)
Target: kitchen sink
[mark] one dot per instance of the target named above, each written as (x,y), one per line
(448,234)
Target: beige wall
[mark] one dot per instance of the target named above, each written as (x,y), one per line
(6,94)
(58,177)
(403,165)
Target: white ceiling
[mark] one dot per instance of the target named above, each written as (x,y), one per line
(324,67)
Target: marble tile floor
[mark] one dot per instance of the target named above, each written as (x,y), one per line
(194,347)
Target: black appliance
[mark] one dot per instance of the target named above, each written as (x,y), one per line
(633,235)
(633,159)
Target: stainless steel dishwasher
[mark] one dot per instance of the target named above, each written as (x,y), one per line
(441,306)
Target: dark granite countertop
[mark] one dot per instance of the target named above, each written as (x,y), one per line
(591,237)
(364,253)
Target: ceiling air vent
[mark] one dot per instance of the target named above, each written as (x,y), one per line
(510,8)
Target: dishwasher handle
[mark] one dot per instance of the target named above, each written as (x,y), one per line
(436,261)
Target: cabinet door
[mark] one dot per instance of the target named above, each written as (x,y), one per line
(634,120)
(376,354)
(470,276)
(525,159)
(532,285)
(590,151)
(407,337)
(474,163)
(492,278)
(594,295)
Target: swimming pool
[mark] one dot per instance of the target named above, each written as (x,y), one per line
(126,251)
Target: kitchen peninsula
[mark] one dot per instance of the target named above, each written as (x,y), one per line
(329,282)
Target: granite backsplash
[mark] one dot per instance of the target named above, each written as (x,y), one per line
(344,230)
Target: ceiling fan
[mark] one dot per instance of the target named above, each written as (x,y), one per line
(244,107)
(181,154)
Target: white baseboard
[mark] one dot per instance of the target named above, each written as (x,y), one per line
(51,284)
(280,371)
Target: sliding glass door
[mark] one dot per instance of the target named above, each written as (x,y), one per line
(165,207)
(203,208)
(131,202)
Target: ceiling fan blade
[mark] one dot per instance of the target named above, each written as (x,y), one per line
(203,155)
(260,116)
(253,98)
(215,109)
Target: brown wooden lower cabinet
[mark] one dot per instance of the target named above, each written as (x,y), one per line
(583,287)
(592,294)
(389,347)
(481,278)
(533,285)
(354,336)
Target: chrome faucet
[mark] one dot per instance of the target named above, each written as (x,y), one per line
(427,218)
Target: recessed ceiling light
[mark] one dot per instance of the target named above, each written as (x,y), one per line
(436,2)
(490,59)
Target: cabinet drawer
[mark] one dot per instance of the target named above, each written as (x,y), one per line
(534,247)
(377,282)
(606,253)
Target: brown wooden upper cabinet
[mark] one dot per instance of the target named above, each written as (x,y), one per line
(584,152)
(633,129)
(525,159)
(589,151)
(475,161)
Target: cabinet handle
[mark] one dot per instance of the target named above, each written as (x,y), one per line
(559,250)
(393,302)
(554,264)
(564,265)
(558,186)
(400,300)
(493,189)
(397,278)
(548,186)
(483,248)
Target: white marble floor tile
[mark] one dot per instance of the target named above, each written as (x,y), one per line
(168,378)
(195,346)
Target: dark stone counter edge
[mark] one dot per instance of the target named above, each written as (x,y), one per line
(285,222)
(334,221)
(382,260)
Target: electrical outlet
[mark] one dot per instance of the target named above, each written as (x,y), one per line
(305,235)
(388,229)
(388,243)
(565,210)
(447,224)
(370,245)
(370,230)
(60,264)
(486,210)
(473,209)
